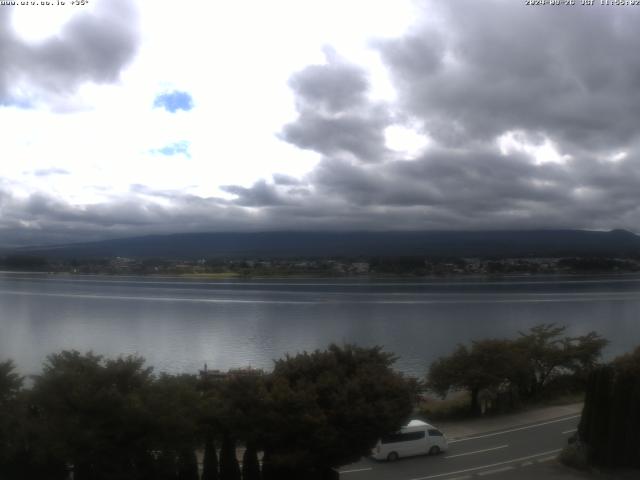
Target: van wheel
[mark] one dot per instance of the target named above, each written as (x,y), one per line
(392,457)
(435,450)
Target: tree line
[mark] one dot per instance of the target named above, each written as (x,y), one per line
(507,372)
(114,419)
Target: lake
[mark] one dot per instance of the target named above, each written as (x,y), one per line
(178,324)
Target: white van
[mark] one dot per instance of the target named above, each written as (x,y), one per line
(416,438)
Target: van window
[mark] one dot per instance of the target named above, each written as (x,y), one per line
(435,433)
(403,437)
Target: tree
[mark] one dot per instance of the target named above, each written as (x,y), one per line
(10,382)
(210,461)
(173,402)
(610,424)
(91,413)
(233,404)
(229,468)
(523,366)
(549,355)
(250,464)
(187,465)
(487,365)
(10,426)
(328,408)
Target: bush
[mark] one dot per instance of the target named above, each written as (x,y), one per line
(574,456)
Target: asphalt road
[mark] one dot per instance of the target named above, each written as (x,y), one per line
(484,455)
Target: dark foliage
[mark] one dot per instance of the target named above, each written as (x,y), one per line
(610,423)
(187,465)
(250,464)
(210,461)
(229,467)
(328,408)
(538,362)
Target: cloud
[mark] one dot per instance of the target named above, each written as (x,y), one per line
(174,101)
(335,117)
(500,67)
(530,114)
(46,172)
(261,194)
(334,87)
(94,46)
(281,179)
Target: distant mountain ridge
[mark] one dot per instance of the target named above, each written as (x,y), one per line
(282,244)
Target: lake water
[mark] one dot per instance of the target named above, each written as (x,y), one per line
(178,324)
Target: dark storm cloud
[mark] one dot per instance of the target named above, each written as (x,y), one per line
(92,47)
(335,117)
(45,219)
(334,87)
(282,179)
(261,194)
(494,66)
(467,74)
(361,136)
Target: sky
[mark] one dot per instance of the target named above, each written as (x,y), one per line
(132,117)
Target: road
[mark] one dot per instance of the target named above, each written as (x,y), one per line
(478,456)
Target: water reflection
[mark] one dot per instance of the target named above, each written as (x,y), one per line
(179,325)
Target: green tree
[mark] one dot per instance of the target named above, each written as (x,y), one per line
(524,366)
(173,403)
(10,426)
(549,355)
(92,413)
(328,408)
(610,422)
(487,365)
(187,465)
(250,464)
(210,460)
(10,382)
(229,468)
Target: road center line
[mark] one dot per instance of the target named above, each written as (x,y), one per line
(355,470)
(570,431)
(515,429)
(520,459)
(476,451)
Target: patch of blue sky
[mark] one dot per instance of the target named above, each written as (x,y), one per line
(176,148)
(174,101)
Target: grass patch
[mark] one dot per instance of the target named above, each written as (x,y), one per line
(454,406)
(565,399)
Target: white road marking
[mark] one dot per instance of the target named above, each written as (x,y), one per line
(570,431)
(515,429)
(546,459)
(495,470)
(355,470)
(476,451)
(526,464)
(466,470)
